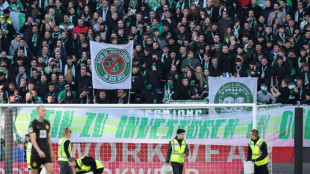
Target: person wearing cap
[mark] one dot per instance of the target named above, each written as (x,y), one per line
(177,152)
(63,94)
(306,101)
(265,97)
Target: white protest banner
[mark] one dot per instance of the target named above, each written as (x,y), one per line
(111,65)
(276,126)
(232,90)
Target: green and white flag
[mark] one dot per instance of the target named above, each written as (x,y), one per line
(18,20)
(232,90)
(111,65)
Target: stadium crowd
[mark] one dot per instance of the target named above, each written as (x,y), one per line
(178,44)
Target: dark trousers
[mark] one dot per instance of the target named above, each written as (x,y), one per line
(261,169)
(177,168)
(98,171)
(64,167)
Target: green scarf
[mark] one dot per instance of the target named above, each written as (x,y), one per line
(34,39)
(149,87)
(170,85)
(192,83)
(263,87)
(299,58)
(189,61)
(4,27)
(133,4)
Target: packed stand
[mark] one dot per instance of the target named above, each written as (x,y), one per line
(178,45)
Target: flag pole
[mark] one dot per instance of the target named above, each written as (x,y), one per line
(129,96)
(94,94)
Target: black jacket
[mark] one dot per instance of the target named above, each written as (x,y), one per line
(242,71)
(263,148)
(169,151)
(154,77)
(27,33)
(42,89)
(225,63)
(282,71)
(184,93)
(4,44)
(214,71)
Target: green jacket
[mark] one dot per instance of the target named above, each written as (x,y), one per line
(172,3)
(160,28)
(194,62)
(63,94)
(18,6)
(154,5)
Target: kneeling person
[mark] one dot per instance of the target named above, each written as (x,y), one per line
(86,164)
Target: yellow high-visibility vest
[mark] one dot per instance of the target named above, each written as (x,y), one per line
(177,151)
(256,152)
(62,156)
(86,168)
(28,154)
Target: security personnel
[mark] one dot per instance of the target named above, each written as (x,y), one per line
(28,153)
(257,152)
(177,151)
(86,164)
(64,152)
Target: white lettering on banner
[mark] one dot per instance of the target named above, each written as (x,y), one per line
(210,152)
(171,112)
(113,152)
(97,149)
(232,156)
(133,153)
(120,126)
(152,152)
(77,147)
(192,157)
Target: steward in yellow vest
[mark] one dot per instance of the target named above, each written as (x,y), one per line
(177,152)
(86,164)
(28,152)
(64,151)
(257,152)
